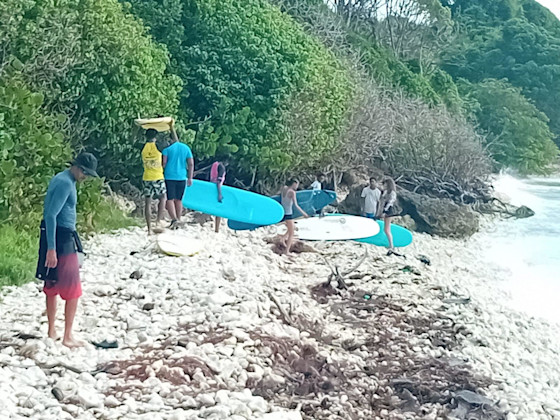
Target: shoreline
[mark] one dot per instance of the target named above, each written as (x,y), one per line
(216,345)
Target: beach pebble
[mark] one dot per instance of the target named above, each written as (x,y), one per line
(194,332)
(89,398)
(258,404)
(206,399)
(220,298)
(111,401)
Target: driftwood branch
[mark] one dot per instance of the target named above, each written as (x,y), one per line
(338,276)
(287,318)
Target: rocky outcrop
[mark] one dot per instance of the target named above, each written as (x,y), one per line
(351,204)
(440,217)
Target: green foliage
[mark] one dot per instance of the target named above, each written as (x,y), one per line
(71,74)
(517,40)
(518,134)
(359,39)
(245,65)
(94,63)
(31,146)
(96,212)
(436,88)
(18,255)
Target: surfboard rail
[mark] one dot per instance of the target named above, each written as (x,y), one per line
(244,206)
(335,228)
(311,201)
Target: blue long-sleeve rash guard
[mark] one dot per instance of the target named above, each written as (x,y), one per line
(60,205)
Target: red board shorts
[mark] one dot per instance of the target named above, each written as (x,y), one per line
(64,279)
(68,285)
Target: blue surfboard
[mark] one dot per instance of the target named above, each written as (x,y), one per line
(246,206)
(401,236)
(311,201)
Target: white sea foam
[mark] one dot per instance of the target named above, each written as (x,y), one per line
(527,249)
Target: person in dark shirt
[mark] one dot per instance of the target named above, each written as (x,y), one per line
(59,244)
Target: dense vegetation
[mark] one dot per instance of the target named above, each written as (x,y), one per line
(518,43)
(249,72)
(433,91)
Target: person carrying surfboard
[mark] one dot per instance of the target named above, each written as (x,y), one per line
(58,265)
(389,199)
(370,199)
(177,157)
(218,176)
(152,180)
(289,201)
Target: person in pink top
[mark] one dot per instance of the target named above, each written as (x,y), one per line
(218,176)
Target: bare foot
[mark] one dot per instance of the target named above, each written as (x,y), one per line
(72,342)
(53,335)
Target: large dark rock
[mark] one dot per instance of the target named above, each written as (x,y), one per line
(353,201)
(441,217)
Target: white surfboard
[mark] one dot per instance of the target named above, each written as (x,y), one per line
(178,245)
(159,124)
(336,228)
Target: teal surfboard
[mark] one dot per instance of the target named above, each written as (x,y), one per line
(245,206)
(401,236)
(311,201)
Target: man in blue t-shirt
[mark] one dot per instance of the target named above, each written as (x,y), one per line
(177,157)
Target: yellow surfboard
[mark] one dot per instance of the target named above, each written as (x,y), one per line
(159,124)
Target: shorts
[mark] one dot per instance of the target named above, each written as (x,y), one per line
(64,279)
(175,189)
(288,217)
(371,216)
(153,189)
(68,284)
(390,212)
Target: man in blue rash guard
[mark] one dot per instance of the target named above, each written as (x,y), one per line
(58,263)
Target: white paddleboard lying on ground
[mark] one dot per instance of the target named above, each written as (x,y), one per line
(178,245)
(336,228)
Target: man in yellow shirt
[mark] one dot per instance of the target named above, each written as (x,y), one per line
(153,182)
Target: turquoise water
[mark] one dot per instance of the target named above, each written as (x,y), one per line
(529,249)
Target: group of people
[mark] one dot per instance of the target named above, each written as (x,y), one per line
(375,204)
(166,175)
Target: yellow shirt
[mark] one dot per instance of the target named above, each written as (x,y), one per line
(151,157)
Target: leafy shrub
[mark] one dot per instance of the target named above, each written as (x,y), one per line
(95,64)
(518,133)
(514,40)
(18,255)
(96,212)
(354,40)
(32,146)
(247,66)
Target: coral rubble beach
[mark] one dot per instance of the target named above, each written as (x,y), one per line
(238,332)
